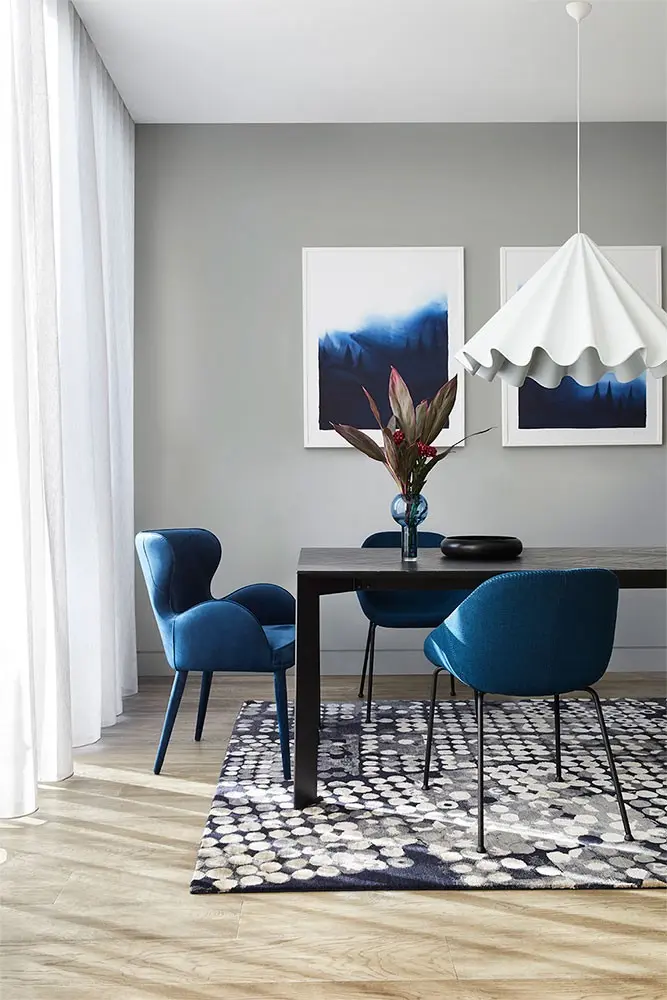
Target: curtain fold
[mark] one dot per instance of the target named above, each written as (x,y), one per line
(67,646)
(35,721)
(97,353)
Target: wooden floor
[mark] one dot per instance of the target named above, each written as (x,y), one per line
(95,899)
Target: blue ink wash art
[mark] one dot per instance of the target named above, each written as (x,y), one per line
(606,404)
(416,344)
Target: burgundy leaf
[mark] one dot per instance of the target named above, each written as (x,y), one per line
(392,457)
(360,441)
(373,406)
(401,405)
(439,410)
(408,457)
(420,417)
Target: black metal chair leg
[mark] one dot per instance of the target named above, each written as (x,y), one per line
(612,766)
(431,720)
(371,664)
(363,669)
(206,679)
(559,774)
(452,686)
(479,711)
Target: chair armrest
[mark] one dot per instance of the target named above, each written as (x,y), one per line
(220,635)
(271,605)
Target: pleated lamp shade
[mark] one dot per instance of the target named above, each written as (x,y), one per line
(577,316)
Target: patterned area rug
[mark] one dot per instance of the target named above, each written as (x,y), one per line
(376,828)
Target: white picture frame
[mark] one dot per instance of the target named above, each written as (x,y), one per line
(642,266)
(353,291)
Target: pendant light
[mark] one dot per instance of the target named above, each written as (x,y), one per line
(577,316)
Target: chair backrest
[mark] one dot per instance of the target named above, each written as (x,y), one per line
(413,609)
(534,631)
(178,565)
(392,540)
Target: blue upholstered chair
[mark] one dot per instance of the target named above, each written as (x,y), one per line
(250,630)
(401,608)
(532,633)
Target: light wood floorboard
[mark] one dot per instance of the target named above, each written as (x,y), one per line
(95,902)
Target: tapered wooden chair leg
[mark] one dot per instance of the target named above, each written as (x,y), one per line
(177,689)
(206,679)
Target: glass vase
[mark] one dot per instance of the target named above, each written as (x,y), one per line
(409,511)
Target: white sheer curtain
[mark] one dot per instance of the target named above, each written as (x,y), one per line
(67,648)
(97,266)
(35,735)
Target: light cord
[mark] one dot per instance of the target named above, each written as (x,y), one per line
(579,127)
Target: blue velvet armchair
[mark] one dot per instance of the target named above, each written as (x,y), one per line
(539,633)
(401,608)
(250,630)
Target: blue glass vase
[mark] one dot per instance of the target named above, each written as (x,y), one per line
(409,512)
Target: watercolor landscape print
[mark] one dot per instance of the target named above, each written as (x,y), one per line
(606,404)
(366,309)
(607,413)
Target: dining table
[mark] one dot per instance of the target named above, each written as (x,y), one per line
(323,571)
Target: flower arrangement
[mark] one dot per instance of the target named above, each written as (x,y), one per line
(409,453)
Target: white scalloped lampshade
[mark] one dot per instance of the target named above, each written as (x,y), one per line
(577,316)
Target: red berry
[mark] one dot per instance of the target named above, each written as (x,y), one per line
(426,450)
(399,437)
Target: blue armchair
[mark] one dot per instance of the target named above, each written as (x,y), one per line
(250,630)
(401,608)
(532,633)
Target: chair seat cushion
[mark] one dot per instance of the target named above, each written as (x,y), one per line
(281,641)
(409,608)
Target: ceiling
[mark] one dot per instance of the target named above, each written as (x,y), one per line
(380,60)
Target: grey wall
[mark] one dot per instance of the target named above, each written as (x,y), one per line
(222,213)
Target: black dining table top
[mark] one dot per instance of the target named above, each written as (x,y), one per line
(636,567)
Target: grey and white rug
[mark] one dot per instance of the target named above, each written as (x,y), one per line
(376,828)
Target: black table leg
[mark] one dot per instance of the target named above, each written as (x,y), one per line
(307,710)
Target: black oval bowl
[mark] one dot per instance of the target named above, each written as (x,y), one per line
(481,547)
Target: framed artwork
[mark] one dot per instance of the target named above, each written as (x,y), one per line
(366,309)
(607,413)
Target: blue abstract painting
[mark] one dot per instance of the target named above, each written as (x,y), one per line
(608,404)
(416,344)
(367,309)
